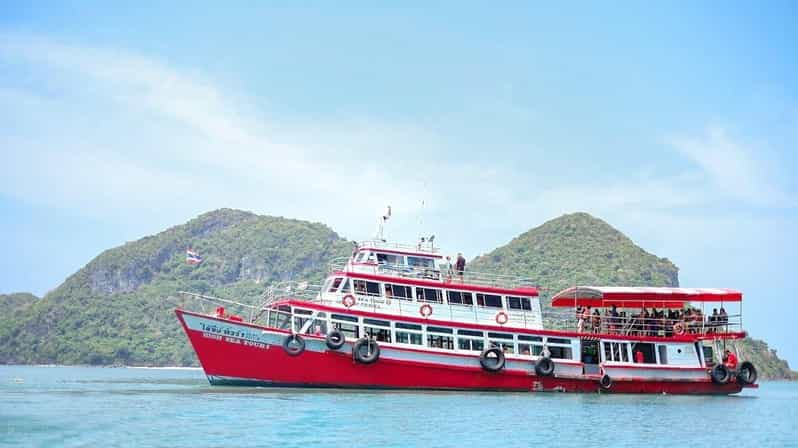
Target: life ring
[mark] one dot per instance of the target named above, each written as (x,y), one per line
(747,373)
(349,300)
(605,382)
(492,359)
(678,328)
(720,374)
(544,366)
(335,340)
(425,310)
(501,318)
(366,351)
(293,345)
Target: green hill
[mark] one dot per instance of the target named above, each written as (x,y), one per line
(118,308)
(115,310)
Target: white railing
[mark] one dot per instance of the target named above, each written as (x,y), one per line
(448,277)
(425,247)
(640,326)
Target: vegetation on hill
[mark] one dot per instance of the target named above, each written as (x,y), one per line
(118,309)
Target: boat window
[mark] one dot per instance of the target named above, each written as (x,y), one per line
(472,344)
(393,291)
(347,286)
(561,352)
(327,284)
(279,319)
(663,354)
(335,285)
(490,300)
(420,262)
(429,295)
(439,340)
(378,323)
(647,350)
(361,256)
(349,330)
(302,311)
(519,303)
(408,337)
(558,341)
(367,288)
(390,259)
(500,335)
(478,334)
(318,327)
(524,337)
(440,330)
(408,326)
(616,351)
(460,298)
(344,317)
(375,329)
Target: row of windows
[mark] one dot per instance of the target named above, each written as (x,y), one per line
(447,338)
(395,259)
(432,295)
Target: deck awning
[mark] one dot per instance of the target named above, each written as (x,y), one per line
(639,297)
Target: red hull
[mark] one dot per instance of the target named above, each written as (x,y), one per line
(228,362)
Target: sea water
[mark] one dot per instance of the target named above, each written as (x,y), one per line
(84,406)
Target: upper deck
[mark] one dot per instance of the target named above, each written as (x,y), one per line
(424,262)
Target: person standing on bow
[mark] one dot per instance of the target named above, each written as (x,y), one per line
(459,266)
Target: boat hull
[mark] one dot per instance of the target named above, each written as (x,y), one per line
(240,354)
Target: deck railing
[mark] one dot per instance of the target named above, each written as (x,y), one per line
(421,247)
(637,326)
(446,277)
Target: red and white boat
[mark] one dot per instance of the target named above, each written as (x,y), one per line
(399,317)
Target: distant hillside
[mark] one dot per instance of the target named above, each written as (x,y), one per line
(13,303)
(114,310)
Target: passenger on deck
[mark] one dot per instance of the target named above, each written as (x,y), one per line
(730,359)
(447,269)
(639,356)
(614,319)
(460,265)
(723,319)
(580,316)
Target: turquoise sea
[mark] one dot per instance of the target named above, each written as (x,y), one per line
(85,406)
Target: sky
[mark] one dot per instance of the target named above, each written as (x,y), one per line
(676,123)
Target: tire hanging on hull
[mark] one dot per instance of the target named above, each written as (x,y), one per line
(335,340)
(544,366)
(293,345)
(492,359)
(366,351)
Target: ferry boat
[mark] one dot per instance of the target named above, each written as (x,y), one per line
(397,316)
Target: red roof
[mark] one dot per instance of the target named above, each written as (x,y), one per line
(639,297)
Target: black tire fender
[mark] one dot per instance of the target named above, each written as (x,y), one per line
(492,363)
(294,345)
(366,351)
(605,382)
(747,373)
(544,366)
(720,374)
(335,340)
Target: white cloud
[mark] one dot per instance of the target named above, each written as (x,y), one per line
(733,167)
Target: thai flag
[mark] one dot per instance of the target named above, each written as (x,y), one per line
(192,257)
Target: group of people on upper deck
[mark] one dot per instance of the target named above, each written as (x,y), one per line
(650,323)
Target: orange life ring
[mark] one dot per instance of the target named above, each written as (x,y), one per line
(425,310)
(678,328)
(502,318)
(349,300)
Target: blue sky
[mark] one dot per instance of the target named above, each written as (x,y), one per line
(676,123)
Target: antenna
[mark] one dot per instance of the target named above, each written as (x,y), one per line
(383,217)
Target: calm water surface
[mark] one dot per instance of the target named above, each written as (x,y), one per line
(82,406)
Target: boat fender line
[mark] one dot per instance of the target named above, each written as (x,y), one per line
(425,310)
(501,318)
(366,351)
(335,340)
(747,373)
(544,366)
(493,363)
(605,382)
(720,374)
(678,328)
(294,345)
(349,300)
